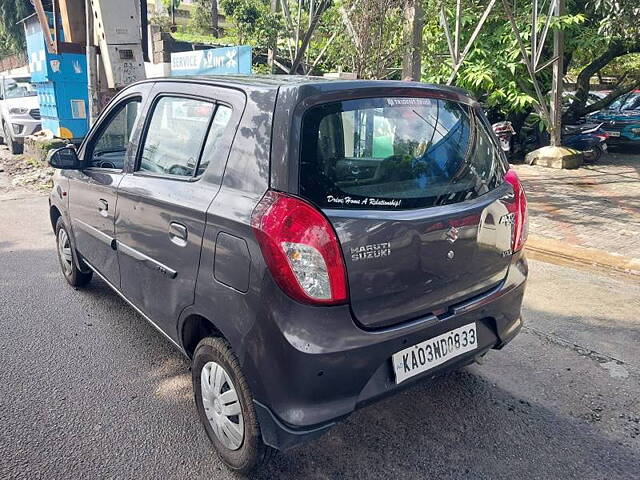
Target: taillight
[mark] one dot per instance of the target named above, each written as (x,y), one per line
(301,249)
(519,209)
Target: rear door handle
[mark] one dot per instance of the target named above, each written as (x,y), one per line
(103,207)
(178,234)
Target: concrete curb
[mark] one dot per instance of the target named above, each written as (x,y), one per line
(561,253)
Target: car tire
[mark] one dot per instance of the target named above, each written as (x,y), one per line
(213,357)
(70,270)
(15,147)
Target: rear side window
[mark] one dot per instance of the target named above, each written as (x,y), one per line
(216,131)
(395,153)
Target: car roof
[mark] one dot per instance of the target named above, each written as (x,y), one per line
(251,82)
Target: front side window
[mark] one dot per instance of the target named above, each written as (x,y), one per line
(396,153)
(175,136)
(110,147)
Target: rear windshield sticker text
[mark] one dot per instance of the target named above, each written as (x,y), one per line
(373,202)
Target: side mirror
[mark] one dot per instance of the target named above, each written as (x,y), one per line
(64,158)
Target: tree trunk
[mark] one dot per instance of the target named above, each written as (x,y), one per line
(272,52)
(620,90)
(307,36)
(578,107)
(214,18)
(413,25)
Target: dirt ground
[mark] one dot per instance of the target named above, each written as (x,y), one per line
(25,170)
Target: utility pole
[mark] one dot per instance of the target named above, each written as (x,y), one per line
(272,52)
(556,86)
(92,66)
(214,18)
(413,25)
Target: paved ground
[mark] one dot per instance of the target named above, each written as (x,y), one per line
(89,390)
(595,206)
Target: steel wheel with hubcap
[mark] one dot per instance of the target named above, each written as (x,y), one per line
(225,406)
(221,405)
(64,251)
(75,276)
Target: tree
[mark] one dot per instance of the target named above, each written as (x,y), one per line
(494,71)
(206,18)
(214,18)
(11,32)
(171,6)
(253,21)
(373,42)
(413,26)
(615,32)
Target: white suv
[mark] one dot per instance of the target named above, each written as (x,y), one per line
(19,111)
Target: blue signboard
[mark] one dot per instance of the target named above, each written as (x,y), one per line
(215,61)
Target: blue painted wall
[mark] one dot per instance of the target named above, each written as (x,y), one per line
(61,82)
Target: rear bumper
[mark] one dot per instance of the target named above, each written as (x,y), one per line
(324,366)
(628,134)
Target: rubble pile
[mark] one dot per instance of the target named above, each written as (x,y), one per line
(26,171)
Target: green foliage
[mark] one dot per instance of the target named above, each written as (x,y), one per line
(617,19)
(493,70)
(162,21)
(11,32)
(253,21)
(201,20)
(171,4)
(377,50)
(621,65)
(206,39)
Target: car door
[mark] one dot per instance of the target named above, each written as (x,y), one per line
(92,190)
(162,202)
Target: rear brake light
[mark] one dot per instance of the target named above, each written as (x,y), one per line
(301,249)
(519,209)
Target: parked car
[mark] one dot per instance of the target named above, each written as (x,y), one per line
(310,245)
(19,111)
(621,120)
(568,97)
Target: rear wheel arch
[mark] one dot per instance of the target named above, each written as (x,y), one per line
(195,327)
(54,215)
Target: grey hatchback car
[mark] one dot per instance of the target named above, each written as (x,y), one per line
(310,245)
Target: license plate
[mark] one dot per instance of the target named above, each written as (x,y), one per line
(433,352)
(613,134)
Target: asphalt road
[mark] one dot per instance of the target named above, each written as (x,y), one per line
(89,390)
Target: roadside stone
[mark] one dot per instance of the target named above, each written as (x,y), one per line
(555,157)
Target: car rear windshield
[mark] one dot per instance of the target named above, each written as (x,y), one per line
(630,101)
(396,153)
